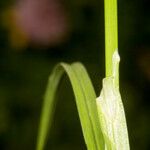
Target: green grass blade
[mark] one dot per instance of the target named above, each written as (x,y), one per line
(90,96)
(85,101)
(48,108)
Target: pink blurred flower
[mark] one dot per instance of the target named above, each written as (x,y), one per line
(43,21)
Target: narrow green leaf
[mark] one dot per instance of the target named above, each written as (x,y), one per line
(48,108)
(90,95)
(85,101)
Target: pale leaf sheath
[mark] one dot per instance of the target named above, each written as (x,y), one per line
(111,112)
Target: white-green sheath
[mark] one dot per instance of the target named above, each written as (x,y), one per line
(111,111)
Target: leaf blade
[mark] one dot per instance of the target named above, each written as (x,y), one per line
(91,103)
(92,136)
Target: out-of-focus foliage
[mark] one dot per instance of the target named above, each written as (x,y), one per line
(24,74)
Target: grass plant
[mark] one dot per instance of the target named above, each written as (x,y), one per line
(102,119)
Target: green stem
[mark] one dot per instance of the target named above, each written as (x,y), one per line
(111,34)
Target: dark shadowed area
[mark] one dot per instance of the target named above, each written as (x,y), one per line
(37,34)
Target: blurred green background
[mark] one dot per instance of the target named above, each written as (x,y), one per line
(24,73)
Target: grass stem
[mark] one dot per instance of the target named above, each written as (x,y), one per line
(111,34)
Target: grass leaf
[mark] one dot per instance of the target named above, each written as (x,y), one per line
(86,105)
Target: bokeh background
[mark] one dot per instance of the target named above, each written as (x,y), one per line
(37,34)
